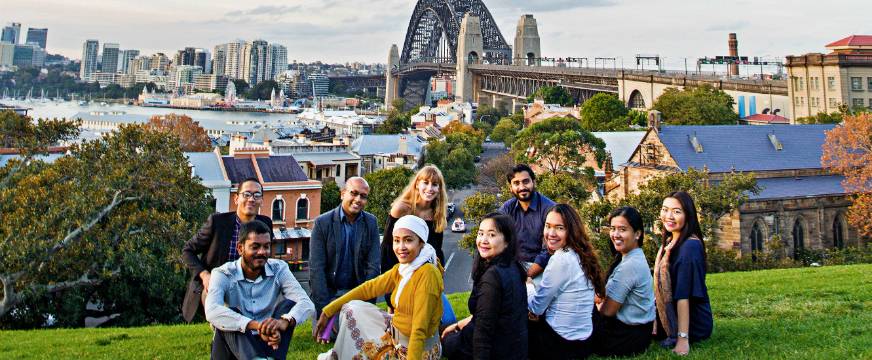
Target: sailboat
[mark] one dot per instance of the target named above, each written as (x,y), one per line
(29,96)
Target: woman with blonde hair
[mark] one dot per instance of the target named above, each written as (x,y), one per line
(424,197)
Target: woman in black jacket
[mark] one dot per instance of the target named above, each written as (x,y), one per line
(497,328)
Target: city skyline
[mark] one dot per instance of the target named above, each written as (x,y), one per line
(348,31)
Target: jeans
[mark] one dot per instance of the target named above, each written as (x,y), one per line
(249,345)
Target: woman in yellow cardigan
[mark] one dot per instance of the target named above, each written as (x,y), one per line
(415,284)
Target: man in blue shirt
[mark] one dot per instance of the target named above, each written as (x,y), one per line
(344,248)
(528,208)
(255,302)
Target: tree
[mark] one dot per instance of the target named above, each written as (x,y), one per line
(552,95)
(453,156)
(458,168)
(564,187)
(397,121)
(475,207)
(847,150)
(604,112)
(492,176)
(384,187)
(457,127)
(558,144)
(822,118)
(488,114)
(191,136)
(485,127)
(702,105)
(330,197)
(262,90)
(98,225)
(505,131)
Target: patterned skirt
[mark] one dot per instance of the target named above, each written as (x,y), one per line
(365,332)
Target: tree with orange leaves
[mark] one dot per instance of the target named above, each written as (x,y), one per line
(848,151)
(191,135)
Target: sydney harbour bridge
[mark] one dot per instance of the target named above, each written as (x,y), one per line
(461,38)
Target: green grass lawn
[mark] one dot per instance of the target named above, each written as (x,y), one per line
(808,313)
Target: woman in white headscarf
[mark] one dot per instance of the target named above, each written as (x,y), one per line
(415,284)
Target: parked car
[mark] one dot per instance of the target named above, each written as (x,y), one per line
(450,209)
(458,226)
(477,159)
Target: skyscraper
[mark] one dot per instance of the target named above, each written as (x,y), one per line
(279,59)
(37,36)
(257,62)
(89,60)
(11,33)
(220,59)
(7,53)
(29,55)
(126,57)
(110,58)
(202,58)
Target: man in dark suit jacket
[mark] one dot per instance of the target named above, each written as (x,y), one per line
(344,247)
(215,243)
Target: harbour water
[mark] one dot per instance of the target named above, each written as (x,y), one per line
(208,119)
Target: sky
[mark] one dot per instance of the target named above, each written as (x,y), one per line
(363,30)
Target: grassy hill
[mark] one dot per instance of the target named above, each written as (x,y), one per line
(807,313)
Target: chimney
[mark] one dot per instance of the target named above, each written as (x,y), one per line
(733,43)
(608,166)
(654,117)
(403,147)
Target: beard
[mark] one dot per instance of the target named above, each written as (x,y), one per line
(524,195)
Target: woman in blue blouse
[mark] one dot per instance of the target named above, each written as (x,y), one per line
(628,309)
(683,310)
(566,292)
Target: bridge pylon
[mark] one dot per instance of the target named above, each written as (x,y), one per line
(526,50)
(391,81)
(470,49)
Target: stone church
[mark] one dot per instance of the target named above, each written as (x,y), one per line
(799,200)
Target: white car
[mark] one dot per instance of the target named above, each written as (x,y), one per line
(458,226)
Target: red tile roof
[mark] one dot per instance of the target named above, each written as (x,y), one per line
(768,118)
(853,40)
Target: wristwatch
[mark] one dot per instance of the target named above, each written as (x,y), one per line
(682,335)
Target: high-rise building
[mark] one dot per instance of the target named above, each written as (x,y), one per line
(89,60)
(11,33)
(38,36)
(257,62)
(29,55)
(110,58)
(202,58)
(159,62)
(185,56)
(7,54)
(124,60)
(279,59)
(319,85)
(220,60)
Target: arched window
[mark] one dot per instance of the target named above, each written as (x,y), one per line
(531,59)
(798,238)
(636,100)
(278,210)
(472,58)
(303,209)
(838,232)
(756,240)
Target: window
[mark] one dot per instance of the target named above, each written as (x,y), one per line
(280,248)
(801,83)
(796,101)
(814,83)
(838,232)
(798,238)
(831,83)
(857,84)
(869,83)
(278,210)
(303,209)
(813,101)
(857,103)
(756,240)
(833,103)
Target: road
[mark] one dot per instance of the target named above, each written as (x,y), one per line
(458,261)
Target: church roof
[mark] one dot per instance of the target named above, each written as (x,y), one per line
(799,187)
(724,148)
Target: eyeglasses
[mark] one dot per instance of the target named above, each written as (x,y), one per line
(248,195)
(355,194)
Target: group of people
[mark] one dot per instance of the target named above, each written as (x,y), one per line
(538,289)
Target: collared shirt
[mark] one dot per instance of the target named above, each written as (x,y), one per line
(344,277)
(566,294)
(233,300)
(631,285)
(529,224)
(232,255)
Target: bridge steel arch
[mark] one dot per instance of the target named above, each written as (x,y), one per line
(433,19)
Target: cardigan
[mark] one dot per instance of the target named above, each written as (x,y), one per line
(419,310)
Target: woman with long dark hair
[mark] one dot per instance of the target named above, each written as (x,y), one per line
(497,328)
(565,295)
(628,309)
(683,310)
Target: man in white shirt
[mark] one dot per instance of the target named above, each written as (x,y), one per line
(255,302)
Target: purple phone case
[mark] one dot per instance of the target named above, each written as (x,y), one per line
(328,329)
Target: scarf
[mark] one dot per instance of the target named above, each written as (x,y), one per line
(663,290)
(427,255)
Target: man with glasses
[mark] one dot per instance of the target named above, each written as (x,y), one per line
(215,243)
(344,248)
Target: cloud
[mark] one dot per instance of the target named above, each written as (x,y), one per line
(550,5)
(732,26)
(270,10)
